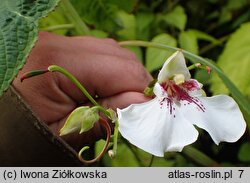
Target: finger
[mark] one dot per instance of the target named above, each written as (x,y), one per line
(123,100)
(102,46)
(85,44)
(103,76)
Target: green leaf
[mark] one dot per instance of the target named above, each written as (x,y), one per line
(188,41)
(156,57)
(99,13)
(235,5)
(227,12)
(144,22)
(203,36)
(235,61)
(177,18)
(244,154)
(128,24)
(54,19)
(124,157)
(127,5)
(99,33)
(19,28)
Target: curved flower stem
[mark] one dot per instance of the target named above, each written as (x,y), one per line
(108,133)
(56,68)
(239,97)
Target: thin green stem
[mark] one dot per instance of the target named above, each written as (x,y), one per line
(151,160)
(212,45)
(198,157)
(194,66)
(242,101)
(115,138)
(58,27)
(102,109)
(56,68)
(73,16)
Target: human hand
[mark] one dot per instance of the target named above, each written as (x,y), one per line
(104,68)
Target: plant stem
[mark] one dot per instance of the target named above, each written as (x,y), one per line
(56,68)
(58,27)
(105,124)
(151,161)
(198,157)
(212,45)
(73,16)
(115,141)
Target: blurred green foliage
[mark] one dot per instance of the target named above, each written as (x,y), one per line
(216,29)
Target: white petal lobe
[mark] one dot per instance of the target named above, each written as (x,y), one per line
(222,118)
(152,128)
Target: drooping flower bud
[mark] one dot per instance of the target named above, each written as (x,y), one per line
(81,119)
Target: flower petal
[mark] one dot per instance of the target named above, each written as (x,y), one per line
(159,91)
(193,87)
(152,128)
(222,118)
(175,64)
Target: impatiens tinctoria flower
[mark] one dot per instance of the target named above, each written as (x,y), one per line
(166,123)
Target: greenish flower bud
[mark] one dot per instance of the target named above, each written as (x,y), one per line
(81,119)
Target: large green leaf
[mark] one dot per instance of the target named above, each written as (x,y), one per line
(235,61)
(99,13)
(18,25)
(177,18)
(56,22)
(127,5)
(243,154)
(156,57)
(128,24)
(188,40)
(144,22)
(124,157)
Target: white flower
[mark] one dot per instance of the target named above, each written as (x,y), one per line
(166,123)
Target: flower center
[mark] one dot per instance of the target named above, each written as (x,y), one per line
(180,92)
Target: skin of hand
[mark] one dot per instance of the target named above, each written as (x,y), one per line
(104,68)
